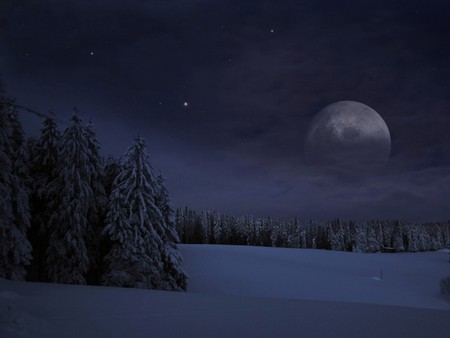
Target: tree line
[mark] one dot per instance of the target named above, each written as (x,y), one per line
(67,215)
(378,235)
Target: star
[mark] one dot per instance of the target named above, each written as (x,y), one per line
(92,53)
(272,30)
(185,103)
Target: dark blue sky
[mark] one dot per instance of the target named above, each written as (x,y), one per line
(254,74)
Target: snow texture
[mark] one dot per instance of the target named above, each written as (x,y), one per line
(247,292)
(141,229)
(70,193)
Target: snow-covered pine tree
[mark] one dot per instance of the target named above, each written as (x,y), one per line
(205,226)
(412,235)
(112,168)
(136,226)
(195,232)
(180,221)
(247,227)
(360,243)
(20,189)
(216,223)
(45,157)
(6,213)
(188,226)
(15,249)
(228,229)
(96,173)
(277,235)
(70,195)
(43,160)
(97,207)
(397,240)
(174,277)
(312,233)
(164,204)
(337,235)
(296,239)
(264,229)
(373,244)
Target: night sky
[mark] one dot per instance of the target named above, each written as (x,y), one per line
(253,74)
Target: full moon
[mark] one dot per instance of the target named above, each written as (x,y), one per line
(349,135)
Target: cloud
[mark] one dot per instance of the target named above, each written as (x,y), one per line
(252,92)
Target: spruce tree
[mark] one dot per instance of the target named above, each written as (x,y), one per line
(97,207)
(70,196)
(134,259)
(216,224)
(142,253)
(174,278)
(46,154)
(112,167)
(44,161)
(206,227)
(15,249)
(337,235)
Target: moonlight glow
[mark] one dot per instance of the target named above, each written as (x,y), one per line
(348,134)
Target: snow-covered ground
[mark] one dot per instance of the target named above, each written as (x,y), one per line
(406,279)
(248,292)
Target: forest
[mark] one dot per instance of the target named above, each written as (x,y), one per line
(68,215)
(371,236)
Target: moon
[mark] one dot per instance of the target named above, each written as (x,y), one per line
(348,135)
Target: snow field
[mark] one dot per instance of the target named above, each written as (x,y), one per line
(408,279)
(247,292)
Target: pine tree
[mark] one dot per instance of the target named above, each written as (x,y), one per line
(96,174)
(112,168)
(164,204)
(206,232)
(20,190)
(6,179)
(44,161)
(297,237)
(373,244)
(397,240)
(180,223)
(174,277)
(46,154)
(247,228)
(140,250)
(97,207)
(277,236)
(188,226)
(70,196)
(15,249)
(337,239)
(216,225)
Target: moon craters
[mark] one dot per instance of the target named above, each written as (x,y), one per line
(350,135)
